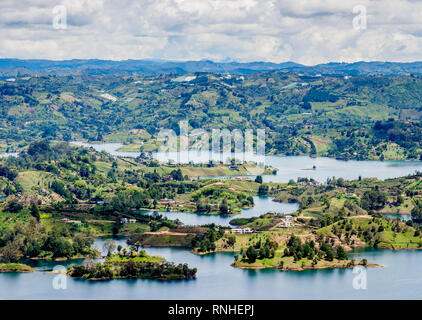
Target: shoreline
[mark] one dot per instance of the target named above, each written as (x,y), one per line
(369,265)
(126,278)
(339,158)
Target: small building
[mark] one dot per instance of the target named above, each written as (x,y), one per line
(123,220)
(126,220)
(241,230)
(288,221)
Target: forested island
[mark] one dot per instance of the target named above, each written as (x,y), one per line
(15,268)
(132,264)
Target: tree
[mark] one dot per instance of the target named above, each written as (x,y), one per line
(258,179)
(251,254)
(11,252)
(341,254)
(417,210)
(13,206)
(263,190)
(329,251)
(137,246)
(109,246)
(35,212)
(84,170)
(116,227)
(39,150)
(62,248)
(9,174)
(224,208)
(330,254)
(373,200)
(59,188)
(89,265)
(177,175)
(231,240)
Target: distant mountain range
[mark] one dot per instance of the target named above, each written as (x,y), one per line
(16,67)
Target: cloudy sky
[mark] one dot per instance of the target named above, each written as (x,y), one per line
(308,32)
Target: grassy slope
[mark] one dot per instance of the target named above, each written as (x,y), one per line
(387,238)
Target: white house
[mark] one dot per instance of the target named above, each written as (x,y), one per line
(288,221)
(242,231)
(126,220)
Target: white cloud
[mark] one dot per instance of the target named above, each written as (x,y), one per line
(308,32)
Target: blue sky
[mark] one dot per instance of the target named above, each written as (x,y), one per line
(308,32)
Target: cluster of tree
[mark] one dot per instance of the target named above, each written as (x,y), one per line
(177,175)
(406,135)
(242,221)
(316,95)
(132,269)
(222,199)
(33,240)
(13,206)
(73,168)
(328,219)
(261,250)
(205,241)
(373,199)
(417,210)
(8,173)
(308,250)
(131,198)
(224,207)
(263,190)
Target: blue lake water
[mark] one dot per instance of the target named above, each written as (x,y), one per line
(289,167)
(262,205)
(400,278)
(403,217)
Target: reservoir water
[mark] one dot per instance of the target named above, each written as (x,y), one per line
(289,167)
(262,205)
(399,278)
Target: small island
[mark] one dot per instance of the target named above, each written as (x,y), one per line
(15,268)
(131,264)
(296,256)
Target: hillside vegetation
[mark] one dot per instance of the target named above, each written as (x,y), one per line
(358,117)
